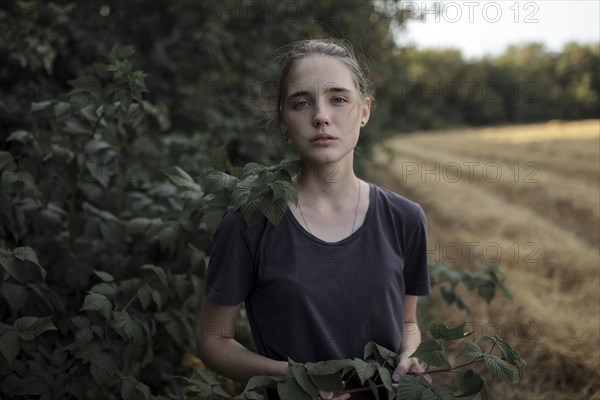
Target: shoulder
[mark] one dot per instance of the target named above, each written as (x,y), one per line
(397,205)
(233,220)
(233,225)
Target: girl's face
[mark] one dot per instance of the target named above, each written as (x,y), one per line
(323,109)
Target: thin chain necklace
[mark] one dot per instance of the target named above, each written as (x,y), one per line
(355,212)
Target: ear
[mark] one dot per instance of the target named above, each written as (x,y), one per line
(365,111)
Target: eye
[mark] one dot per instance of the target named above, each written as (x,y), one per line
(338,100)
(298,105)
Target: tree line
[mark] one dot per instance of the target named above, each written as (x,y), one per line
(210,67)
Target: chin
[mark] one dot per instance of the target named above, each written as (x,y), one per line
(325,159)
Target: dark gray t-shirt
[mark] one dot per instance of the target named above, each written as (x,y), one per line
(312,300)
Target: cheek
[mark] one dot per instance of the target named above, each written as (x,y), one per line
(296,119)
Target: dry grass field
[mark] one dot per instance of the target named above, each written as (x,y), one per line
(526,198)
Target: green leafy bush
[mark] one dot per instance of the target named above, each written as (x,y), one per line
(104,245)
(303,381)
(101,278)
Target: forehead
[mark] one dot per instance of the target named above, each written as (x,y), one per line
(317,72)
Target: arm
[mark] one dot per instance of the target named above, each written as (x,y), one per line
(222,353)
(411,339)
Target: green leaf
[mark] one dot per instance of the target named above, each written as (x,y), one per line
(381,353)
(431,352)
(328,367)
(274,210)
(84,335)
(292,167)
(86,83)
(472,349)
(73,125)
(291,390)
(126,327)
(42,105)
(26,253)
(251,213)
(486,393)
(219,159)
(332,382)
(441,331)
(95,145)
(219,180)
(261,381)
(180,178)
(10,345)
(106,289)
(132,389)
(363,369)
(512,356)
(409,388)
(121,52)
(29,328)
(15,295)
(487,292)
(105,276)
(12,267)
(157,299)
(386,377)
(499,368)
(167,237)
(97,302)
(441,393)
(301,376)
(105,215)
(159,272)
(103,369)
(19,136)
(7,162)
(145,296)
(468,382)
(80,322)
(374,389)
(252,168)
(148,227)
(253,396)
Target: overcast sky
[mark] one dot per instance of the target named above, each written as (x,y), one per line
(487,27)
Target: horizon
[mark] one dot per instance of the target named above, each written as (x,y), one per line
(493,26)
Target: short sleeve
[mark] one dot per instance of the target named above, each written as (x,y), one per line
(230,267)
(416,273)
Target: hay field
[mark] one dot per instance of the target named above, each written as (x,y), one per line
(526,198)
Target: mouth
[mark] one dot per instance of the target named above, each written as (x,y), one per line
(322,138)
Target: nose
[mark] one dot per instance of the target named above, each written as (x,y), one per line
(321,116)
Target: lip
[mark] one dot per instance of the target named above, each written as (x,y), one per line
(322,138)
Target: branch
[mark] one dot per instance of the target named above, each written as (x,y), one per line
(435,371)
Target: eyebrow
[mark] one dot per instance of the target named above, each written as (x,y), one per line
(333,89)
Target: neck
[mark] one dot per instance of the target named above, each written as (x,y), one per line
(333,182)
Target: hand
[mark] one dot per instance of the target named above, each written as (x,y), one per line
(408,365)
(333,395)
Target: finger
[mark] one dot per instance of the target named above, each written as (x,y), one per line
(399,372)
(428,378)
(343,396)
(331,396)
